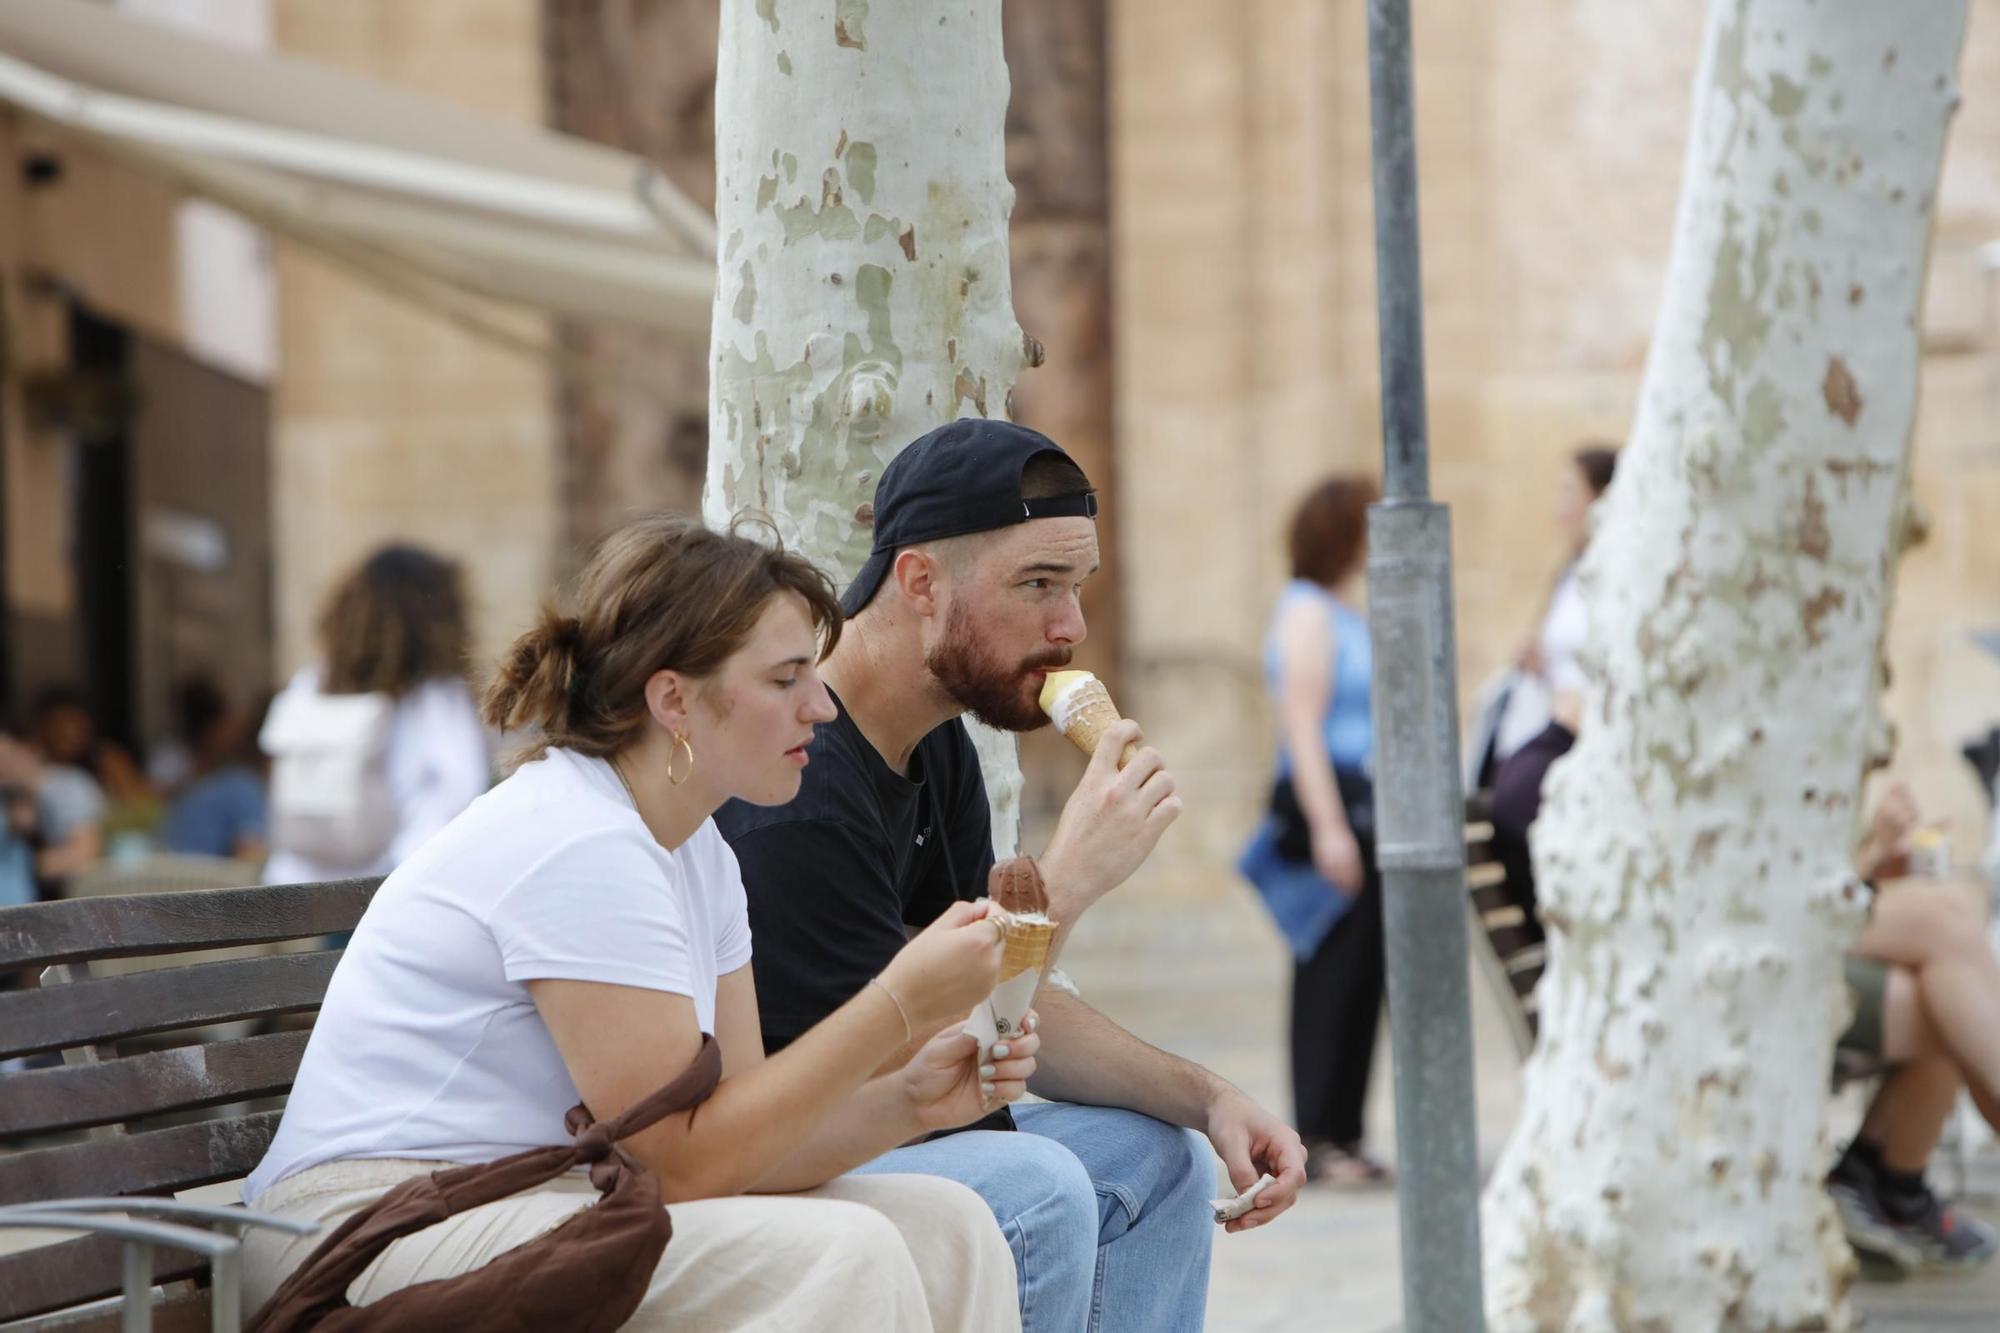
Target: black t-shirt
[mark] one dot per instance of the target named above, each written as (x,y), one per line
(835,877)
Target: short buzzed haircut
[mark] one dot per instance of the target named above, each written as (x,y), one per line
(1052,474)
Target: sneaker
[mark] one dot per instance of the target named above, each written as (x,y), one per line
(1878,1242)
(1945,1239)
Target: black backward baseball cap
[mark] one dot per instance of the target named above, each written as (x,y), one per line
(963,477)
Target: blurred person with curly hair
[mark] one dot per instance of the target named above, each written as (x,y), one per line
(378,744)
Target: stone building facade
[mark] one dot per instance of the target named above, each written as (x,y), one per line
(389,423)
(1207,305)
(1550,137)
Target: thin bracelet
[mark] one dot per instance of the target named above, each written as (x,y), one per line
(908,1036)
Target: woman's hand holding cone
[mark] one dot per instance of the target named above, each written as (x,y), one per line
(947,1086)
(951,966)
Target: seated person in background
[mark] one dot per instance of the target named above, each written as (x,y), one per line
(58,807)
(1546,664)
(1545,704)
(575,934)
(1927,999)
(61,728)
(219,811)
(19,821)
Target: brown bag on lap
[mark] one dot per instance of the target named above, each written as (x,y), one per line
(586,1276)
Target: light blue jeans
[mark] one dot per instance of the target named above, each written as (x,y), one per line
(1106,1212)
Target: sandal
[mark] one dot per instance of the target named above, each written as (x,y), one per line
(1346,1166)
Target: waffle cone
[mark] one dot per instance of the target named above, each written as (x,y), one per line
(1027,946)
(1025,941)
(1091,714)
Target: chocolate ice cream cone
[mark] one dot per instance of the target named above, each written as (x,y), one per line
(1016,884)
(1026,939)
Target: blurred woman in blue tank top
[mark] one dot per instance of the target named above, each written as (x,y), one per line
(1312,859)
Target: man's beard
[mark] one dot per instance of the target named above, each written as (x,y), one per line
(996,694)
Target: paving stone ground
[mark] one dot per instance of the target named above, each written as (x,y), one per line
(1207,979)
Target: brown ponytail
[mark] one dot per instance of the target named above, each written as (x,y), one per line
(661,593)
(533,682)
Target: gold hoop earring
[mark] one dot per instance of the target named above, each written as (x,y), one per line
(680,743)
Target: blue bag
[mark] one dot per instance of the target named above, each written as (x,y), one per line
(1303,905)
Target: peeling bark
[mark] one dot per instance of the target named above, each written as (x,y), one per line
(862,196)
(1692,853)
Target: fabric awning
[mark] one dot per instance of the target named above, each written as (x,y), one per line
(430,197)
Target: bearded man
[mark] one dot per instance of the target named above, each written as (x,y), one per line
(984,534)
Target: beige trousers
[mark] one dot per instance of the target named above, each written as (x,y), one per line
(861,1254)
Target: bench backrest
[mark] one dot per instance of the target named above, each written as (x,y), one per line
(108,983)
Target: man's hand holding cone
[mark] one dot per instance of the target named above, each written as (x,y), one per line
(1121,807)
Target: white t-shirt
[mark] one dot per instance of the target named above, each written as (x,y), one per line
(1564,630)
(1531,701)
(428,1045)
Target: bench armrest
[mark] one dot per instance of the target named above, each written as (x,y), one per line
(40,1218)
(238,1220)
(185,1232)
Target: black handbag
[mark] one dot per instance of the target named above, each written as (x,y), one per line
(1294,841)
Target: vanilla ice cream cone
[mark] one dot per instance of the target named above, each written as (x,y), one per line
(1081,708)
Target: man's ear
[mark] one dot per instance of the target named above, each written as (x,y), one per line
(667,696)
(918,575)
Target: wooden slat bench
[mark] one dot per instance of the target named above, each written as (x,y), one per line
(1512,952)
(128,1113)
(1507,942)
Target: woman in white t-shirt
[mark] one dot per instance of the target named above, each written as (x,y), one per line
(573,934)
